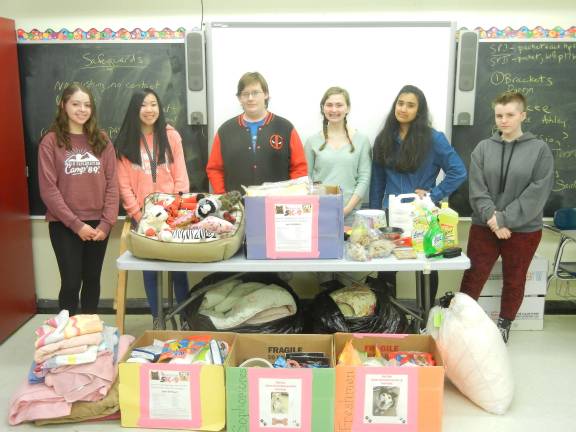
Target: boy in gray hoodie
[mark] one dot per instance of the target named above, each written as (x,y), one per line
(511,176)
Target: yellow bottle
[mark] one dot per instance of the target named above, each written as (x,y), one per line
(449,225)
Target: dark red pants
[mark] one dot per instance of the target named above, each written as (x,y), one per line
(516,252)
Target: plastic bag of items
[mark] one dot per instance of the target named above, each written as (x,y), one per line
(354,309)
(366,242)
(244,303)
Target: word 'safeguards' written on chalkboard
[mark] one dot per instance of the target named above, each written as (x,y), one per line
(112,71)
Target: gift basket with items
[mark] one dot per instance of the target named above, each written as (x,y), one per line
(189,227)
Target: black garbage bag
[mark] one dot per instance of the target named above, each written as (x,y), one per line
(197,321)
(324,315)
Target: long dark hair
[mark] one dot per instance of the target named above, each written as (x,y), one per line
(60,126)
(416,144)
(128,140)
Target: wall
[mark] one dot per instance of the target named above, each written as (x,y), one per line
(173,14)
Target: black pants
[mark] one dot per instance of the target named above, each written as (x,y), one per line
(80,265)
(387,280)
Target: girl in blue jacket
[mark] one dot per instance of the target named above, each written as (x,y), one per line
(407,158)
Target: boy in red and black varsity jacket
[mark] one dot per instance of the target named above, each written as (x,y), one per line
(256,146)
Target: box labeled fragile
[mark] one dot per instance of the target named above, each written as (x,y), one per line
(536,278)
(263,399)
(302,227)
(401,399)
(530,316)
(173,396)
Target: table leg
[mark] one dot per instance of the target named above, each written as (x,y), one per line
(426,294)
(160,295)
(170,317)
(419,301)
(423,295)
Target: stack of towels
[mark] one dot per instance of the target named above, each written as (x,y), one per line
(73,373)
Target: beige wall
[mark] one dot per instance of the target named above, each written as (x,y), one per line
(115,14)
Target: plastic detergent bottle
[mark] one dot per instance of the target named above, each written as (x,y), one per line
(448,219)
(433,242)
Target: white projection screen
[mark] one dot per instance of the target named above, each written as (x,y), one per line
(301,60)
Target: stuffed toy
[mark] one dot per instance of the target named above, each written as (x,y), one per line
(218,206)
(153,223)
(208,206)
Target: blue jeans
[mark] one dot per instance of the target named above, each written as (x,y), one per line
(179,284)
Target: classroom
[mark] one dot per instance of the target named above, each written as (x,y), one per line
(543,384)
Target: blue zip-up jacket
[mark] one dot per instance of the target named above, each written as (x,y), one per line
(442,156)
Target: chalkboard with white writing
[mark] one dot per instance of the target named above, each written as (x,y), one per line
(545,72)
(111,71)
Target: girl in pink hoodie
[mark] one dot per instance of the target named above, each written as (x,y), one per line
(150,159)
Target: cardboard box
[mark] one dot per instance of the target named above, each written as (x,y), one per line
(306,395)
(173,396)
(535,278)
(302,227)
(530,315)
(418,391)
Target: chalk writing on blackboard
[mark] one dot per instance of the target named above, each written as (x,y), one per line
(544,72)
(112,72)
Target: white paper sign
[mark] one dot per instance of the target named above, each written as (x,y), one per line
(385,399)
(293,227)
(170,395)
(280,403)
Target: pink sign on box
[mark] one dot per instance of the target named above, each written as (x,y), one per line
(280,400)
(170,396)
(386,398)
(292,226)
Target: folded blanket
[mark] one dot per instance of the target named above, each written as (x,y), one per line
(246,301)
(60,328)
(84,411)
(50,350)
(217,295)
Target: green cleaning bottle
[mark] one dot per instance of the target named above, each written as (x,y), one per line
(434,237)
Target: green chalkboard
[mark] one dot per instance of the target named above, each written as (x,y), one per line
(545,72)
(112,71)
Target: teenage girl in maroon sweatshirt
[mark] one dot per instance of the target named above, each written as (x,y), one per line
(77,178)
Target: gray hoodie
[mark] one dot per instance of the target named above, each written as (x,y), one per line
(513,179)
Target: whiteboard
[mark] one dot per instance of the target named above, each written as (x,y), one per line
(301,60)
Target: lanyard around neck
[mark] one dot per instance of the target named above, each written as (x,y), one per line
(152,155)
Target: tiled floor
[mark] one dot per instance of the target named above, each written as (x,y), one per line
(544,365)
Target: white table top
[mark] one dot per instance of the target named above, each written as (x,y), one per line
(239,263)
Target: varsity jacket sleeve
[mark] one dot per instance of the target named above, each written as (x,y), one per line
(48,182)
(215,168)
(480,198)
(298,165)
(124,171)
(111,197)
(377,186)
(178,166)
(533,198)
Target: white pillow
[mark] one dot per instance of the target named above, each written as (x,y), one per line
(474,354)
